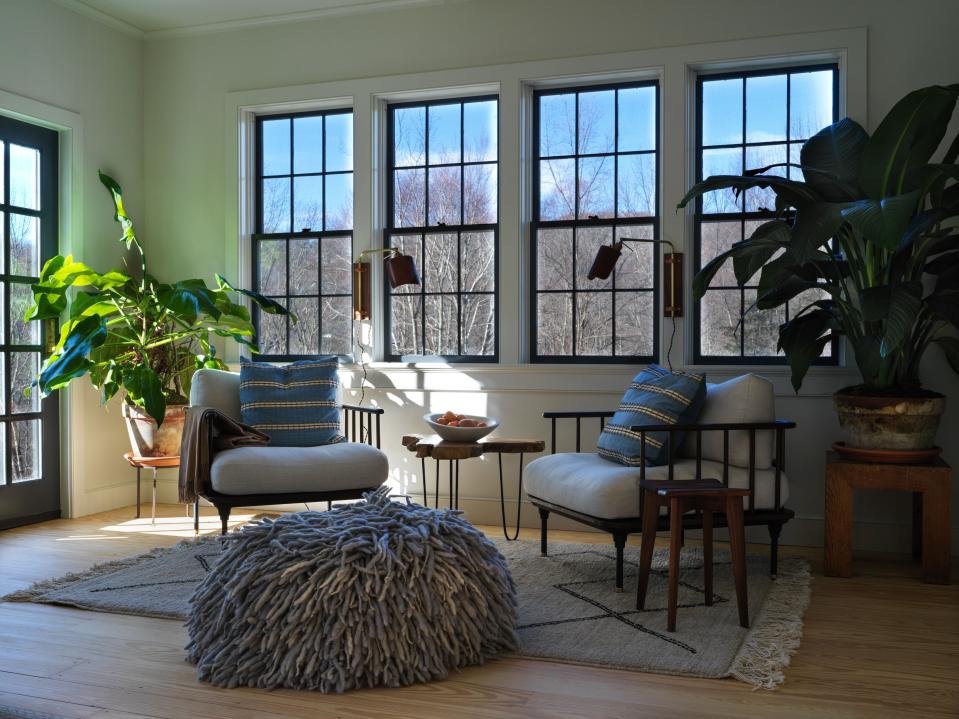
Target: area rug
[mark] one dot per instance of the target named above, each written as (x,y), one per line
(569,610)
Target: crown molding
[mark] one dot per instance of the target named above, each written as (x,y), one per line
(102,18)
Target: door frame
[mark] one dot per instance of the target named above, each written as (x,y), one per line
(69,126)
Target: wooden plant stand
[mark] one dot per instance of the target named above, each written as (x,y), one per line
(439,449)
(153,463)
(930,485)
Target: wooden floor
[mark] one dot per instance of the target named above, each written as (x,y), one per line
(880,644)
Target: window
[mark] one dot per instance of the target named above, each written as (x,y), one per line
(750,120)
(443,189)
(303,246)
(595,179)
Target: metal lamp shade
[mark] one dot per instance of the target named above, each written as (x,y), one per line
(605,261)
(401,270)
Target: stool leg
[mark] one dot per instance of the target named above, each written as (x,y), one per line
(737,547)
(708,556)
(650,519)
(675,550)
(138,492)
(153,510)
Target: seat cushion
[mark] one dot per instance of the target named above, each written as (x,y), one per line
(655,396)
(294,404)
(281,470)
(586,483)
(747,398)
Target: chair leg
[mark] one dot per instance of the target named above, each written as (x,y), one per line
(196,515)
(224,511)
(737,548)
(543,519)
(619,539)
(708,556)
(774,530)
(650,520)
(675,550)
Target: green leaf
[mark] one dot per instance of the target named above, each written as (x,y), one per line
(905,301)
(145,390)
(905,139)
(129,237)
(768,239)
(816,223)
(803,339)
(831,159)
(882,222)
(791,191)
(71,361)
(870,362)
(264,303)
(780,281)
(950,346)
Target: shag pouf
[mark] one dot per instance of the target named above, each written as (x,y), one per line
(376,593)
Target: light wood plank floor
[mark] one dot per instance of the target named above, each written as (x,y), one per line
(880,644)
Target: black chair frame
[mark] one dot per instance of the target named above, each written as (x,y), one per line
(360,424)
(774,519)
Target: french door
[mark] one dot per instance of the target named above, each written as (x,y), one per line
(29,427)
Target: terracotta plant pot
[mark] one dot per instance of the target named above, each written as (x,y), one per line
(905,422)
(148,441)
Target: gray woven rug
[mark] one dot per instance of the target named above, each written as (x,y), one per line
(569,610)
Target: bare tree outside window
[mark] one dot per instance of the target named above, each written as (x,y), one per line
(748,121)
(596,182)
(443,212)
(303,249)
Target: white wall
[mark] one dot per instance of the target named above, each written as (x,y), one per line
(53,60)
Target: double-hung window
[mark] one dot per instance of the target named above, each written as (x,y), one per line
(442,210)
(750,120)
(595,181)
(303,244)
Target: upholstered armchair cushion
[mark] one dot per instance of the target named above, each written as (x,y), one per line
(218,389)
(295,403)
(585,483)
(655,396)
(747,398)
(290,470)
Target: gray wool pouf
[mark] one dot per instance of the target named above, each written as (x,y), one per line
(377,593)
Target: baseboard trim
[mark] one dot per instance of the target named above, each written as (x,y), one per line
(32,519)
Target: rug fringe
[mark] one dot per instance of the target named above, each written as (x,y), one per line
(777,631)
(40,588)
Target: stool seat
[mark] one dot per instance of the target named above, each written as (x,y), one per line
(707,496)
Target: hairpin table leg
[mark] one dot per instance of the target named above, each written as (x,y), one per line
(138,492)
(426,498)
(502,497)
(153,510)
(436,502)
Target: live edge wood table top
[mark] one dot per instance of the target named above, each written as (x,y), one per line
(436,447)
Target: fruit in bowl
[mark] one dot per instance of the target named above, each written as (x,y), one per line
(454,427)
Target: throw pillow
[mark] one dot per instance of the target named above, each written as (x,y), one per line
(655,396)
(295,404)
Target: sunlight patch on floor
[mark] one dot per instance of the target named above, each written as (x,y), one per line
(174,526)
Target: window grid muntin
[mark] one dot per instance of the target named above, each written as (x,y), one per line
(743,216)
(615,222)
(260,236)
(393,231)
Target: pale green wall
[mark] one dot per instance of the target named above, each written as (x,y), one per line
(57,57)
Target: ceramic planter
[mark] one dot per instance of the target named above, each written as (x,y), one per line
(890,422)
(146,440)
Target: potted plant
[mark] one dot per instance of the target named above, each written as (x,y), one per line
(872,228)
(138,335)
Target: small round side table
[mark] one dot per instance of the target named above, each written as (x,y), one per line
(153,463)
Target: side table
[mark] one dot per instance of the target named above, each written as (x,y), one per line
(440,450)
(153,463)
(930,485)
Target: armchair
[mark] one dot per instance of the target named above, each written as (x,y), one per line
(736,440)
(266,475)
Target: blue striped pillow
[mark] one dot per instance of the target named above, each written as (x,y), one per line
(655,396)
(294,404)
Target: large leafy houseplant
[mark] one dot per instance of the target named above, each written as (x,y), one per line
(872,227)
(135,333)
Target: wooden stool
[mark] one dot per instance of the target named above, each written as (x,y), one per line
(708,496)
